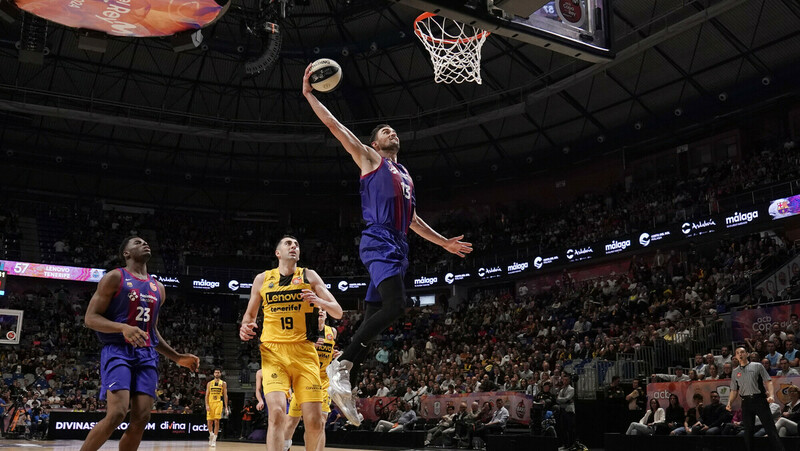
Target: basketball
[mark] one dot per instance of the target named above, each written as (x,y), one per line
(326,75)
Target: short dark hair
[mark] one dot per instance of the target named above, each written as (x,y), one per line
(124,245)
(697,396)
(278,243)
(374,133)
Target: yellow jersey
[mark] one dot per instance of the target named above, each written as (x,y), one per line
(287,317)
(215,391)
(325,351)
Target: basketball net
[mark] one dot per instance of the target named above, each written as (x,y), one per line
(455,48)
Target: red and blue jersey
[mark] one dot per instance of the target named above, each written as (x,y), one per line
(136,303)
(387,196)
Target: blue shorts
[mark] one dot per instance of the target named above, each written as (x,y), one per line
(384,252)
(123,367)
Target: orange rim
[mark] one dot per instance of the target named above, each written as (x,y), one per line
(429,38)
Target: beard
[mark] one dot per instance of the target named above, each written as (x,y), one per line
(391,147)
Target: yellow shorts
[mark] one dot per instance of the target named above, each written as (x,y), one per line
(291,365)
(296,411)
(214,411)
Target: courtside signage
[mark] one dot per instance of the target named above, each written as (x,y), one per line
(576,255)
(46,271)
(785,207)
(516,267)
(697,228)
(646,238)
(162,426)
(740,219)
(617,246)
(541,262)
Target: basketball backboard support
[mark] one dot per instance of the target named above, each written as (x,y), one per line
(578,28)
(10,326)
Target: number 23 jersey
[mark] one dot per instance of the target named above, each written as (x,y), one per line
(136,303)
(287,317)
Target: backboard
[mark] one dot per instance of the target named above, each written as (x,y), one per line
(578,28)
(10,326)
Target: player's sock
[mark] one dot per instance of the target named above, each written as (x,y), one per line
(287,444)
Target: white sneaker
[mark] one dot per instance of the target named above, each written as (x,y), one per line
(212,439)
(286,445)
(340,389)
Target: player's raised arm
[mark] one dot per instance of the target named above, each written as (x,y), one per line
(248,328)
(107,288)
(320,295)
(365,156)
(453,245)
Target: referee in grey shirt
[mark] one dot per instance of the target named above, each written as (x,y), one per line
(748,380)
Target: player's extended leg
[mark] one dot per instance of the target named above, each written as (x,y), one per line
(291,425)
(116,409)
(393,305)
(140,416)
(322,436)
(276,403)
(314,424)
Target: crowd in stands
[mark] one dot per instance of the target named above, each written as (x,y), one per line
(498,340)
(86,234)
(56,365)
(519,341)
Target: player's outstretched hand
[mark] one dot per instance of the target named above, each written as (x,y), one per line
(456,246)
(135,336)
(307,84)
(190,361)
(247,331)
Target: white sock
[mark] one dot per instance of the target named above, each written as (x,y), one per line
(287,444)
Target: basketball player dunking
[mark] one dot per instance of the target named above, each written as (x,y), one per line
(290,297)
(124,312)
(388,205)
(216,402)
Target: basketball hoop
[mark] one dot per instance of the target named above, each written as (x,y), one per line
(455,48)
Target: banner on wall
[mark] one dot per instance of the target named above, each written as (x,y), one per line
(782,278)
(162,426)
(686,390)
(48,271)
(745,323)
(435,406)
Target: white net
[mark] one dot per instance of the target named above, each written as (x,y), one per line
(455,48)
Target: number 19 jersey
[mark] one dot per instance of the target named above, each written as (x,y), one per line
(287,317)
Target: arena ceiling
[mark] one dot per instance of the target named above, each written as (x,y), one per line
(142,112)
